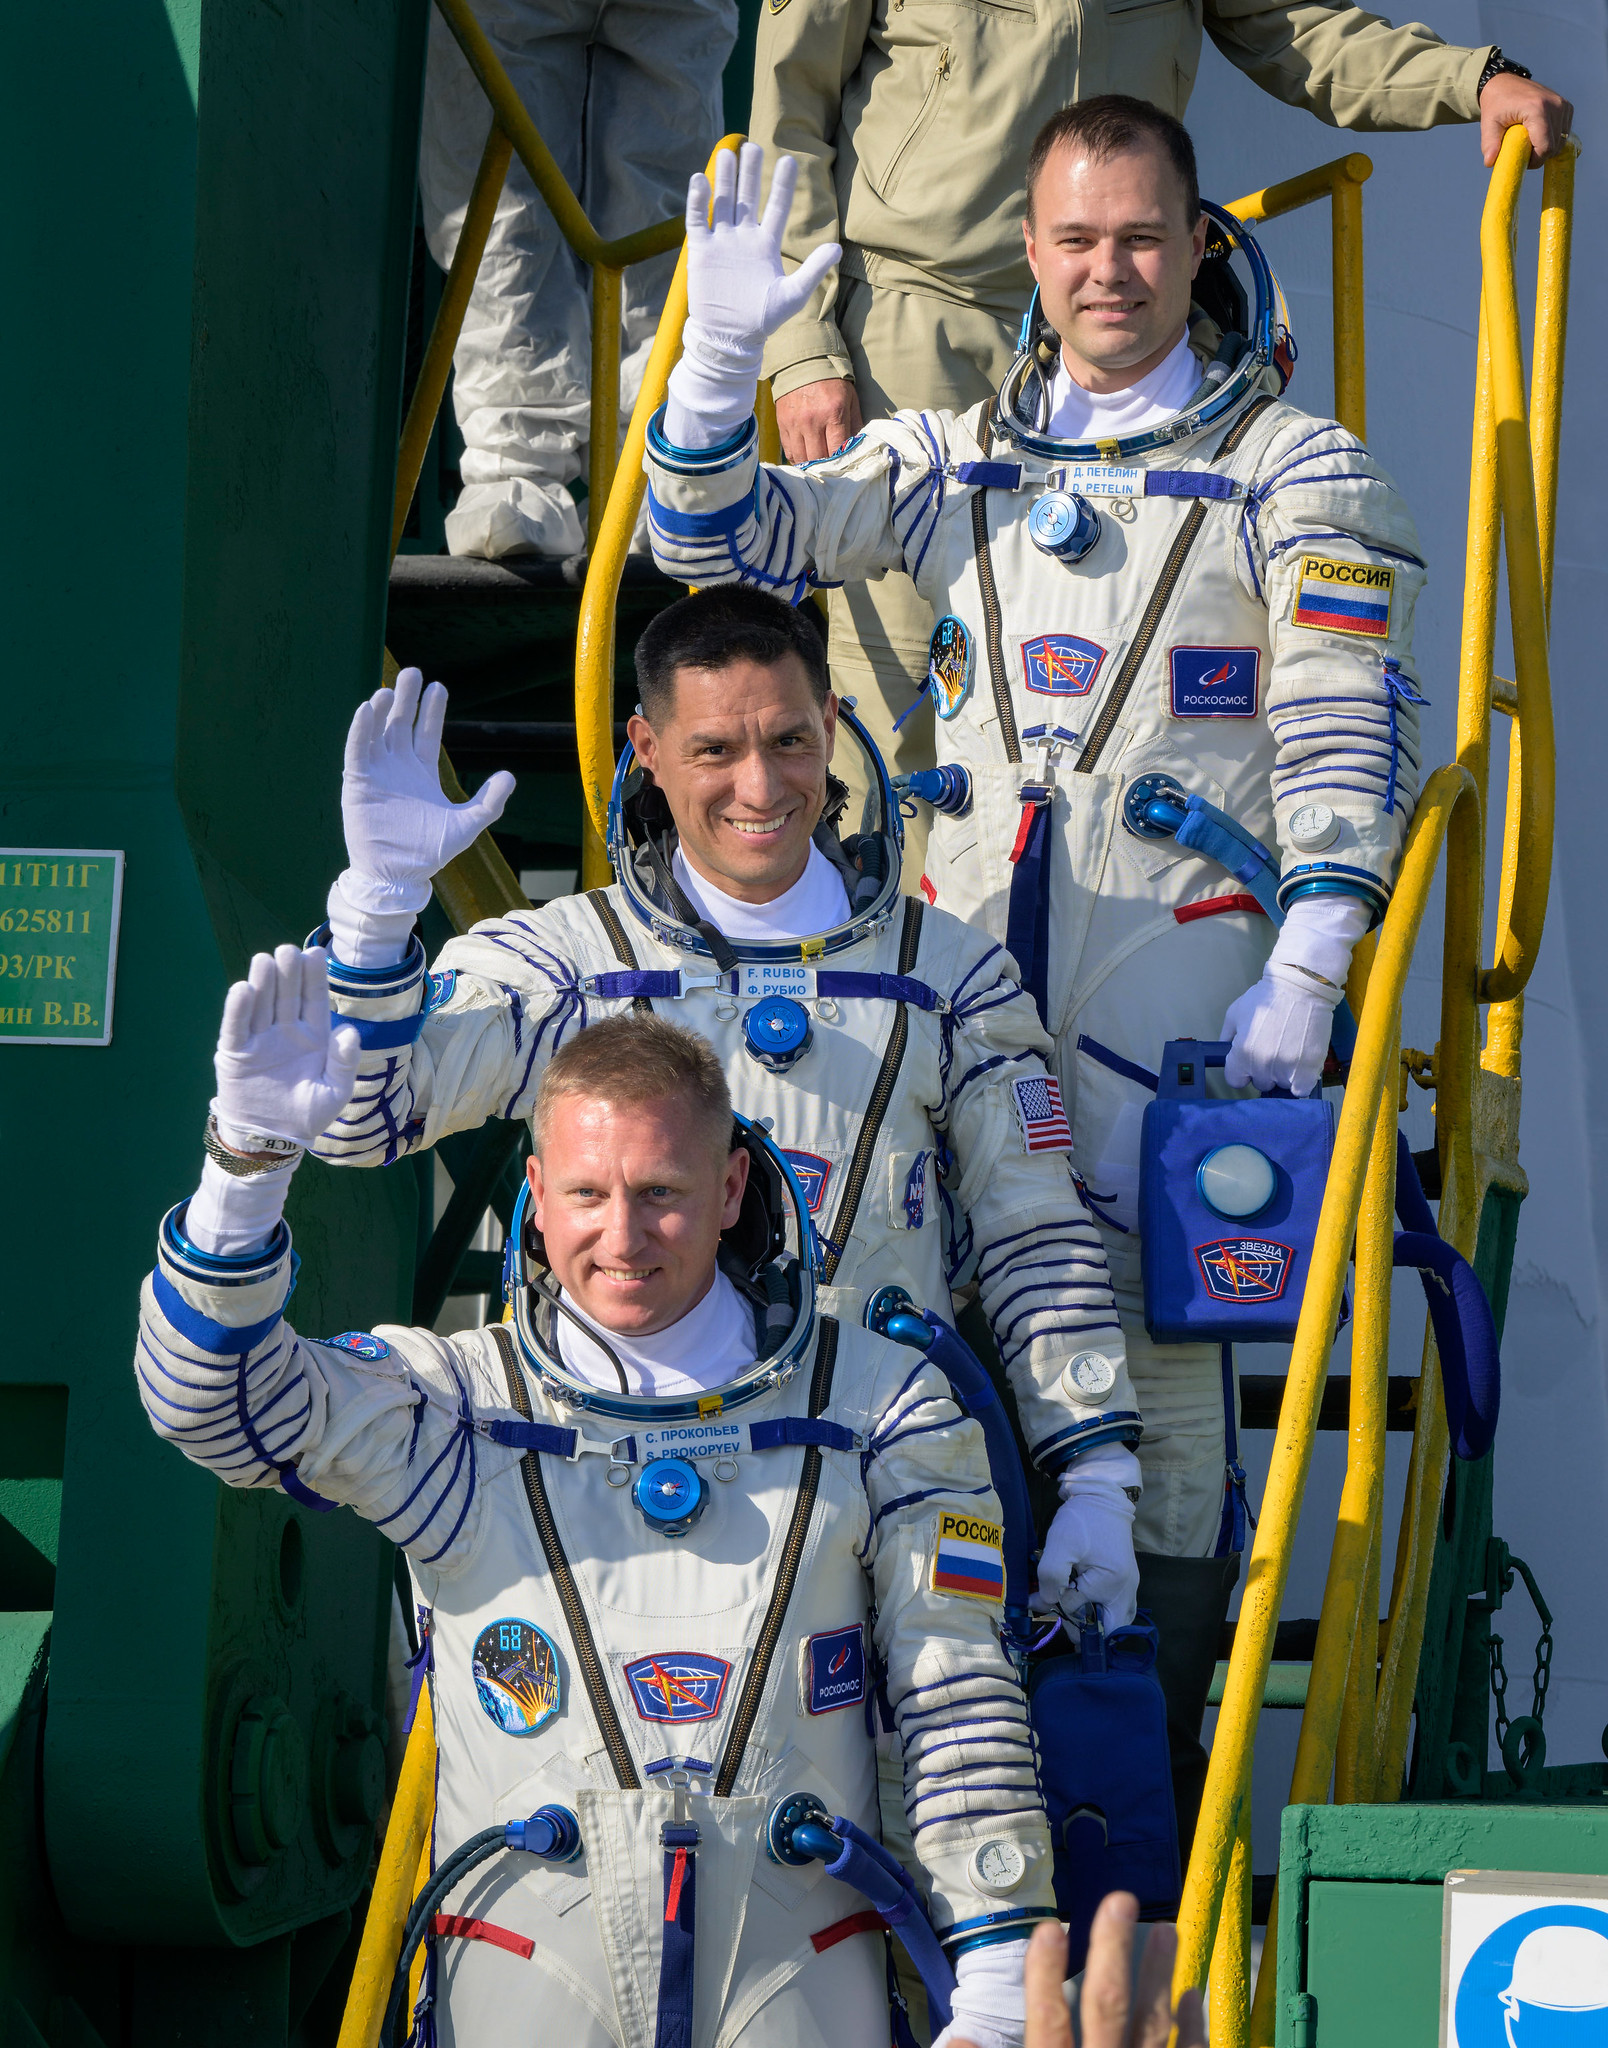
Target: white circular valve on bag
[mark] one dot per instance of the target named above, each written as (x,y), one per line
(1089,1376)
(1237,1181)
(998,1867)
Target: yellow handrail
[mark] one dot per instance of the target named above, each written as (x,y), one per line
(1343,180)
(1351,1726)
(407,1835)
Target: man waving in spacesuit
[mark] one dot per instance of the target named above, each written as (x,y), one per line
(1151,576)
(669,1522)
(889,1046)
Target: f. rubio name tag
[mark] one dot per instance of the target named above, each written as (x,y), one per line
(787,978)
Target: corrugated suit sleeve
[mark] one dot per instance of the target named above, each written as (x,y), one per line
(1350,68)
(807,52)
(481,1027)
(720,515)
(970,1767)
(1041,1268)
(1328,542)
(380,1423)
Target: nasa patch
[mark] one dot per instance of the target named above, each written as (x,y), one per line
(677,1685)
(1061,665)
(516,1675)
(812,1173)
(361,1344)
(1215,682)
(834,1671)
(1244,1268)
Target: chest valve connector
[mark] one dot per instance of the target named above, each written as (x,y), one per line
(670,1495)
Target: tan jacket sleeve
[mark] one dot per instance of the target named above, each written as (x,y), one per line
(1350,68)
(808,50)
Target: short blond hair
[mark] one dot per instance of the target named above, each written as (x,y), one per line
(632,1062)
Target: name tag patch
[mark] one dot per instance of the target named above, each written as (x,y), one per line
(812,1172)
(1061,665)
(834,1670)
(1215,682)
(678,1685)
(1244,1268)
(758,979)
(969,1557)
(516,1675)
(690,1440)
(1344,597)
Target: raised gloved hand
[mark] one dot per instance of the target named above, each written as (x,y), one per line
(989,2004)
(1088,1552)
(737,293)
(282,1071)
(1280,1028)
(400,827)
(283,1076)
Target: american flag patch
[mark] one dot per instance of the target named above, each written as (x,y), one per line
(1040,1112)
(969,1558)
(1344,597)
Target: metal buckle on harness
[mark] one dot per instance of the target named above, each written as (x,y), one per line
(692,981)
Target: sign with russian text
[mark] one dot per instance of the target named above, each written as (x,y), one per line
(59,911)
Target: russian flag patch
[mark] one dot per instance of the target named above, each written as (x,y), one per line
(969,1557)
(1344,597)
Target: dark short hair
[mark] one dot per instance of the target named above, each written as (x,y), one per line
(1106,126)
(633,1062)
(713,628)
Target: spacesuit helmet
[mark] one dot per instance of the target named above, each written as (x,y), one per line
(867,853)
(1256,352)
(770,1255)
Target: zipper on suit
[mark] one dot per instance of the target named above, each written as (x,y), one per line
(618,940)
(1177,555)
(918,126)
(809,1480)
(881,1094)
(593,1675)
(993,628)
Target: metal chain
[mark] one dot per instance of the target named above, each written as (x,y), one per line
(1499,1685)
(1543,1671)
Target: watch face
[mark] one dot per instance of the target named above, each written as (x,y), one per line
(1313,825)
(999,1866)
(1092,1375)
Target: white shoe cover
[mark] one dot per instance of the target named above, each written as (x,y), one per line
(517,516)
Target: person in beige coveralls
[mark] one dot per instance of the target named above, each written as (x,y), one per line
(910,119)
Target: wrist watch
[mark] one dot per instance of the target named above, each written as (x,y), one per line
(1495,65)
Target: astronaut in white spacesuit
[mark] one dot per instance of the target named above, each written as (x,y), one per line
(672,1524)
(898,1062)
(1149,573)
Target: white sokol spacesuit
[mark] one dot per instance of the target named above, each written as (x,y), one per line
(1240,622)
(576,1651)
(907,1086)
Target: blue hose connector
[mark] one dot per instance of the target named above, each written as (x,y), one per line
(946,789)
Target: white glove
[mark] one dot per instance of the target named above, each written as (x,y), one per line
(1280,1028)
(400,828)
(989,2005)
(1088,1553)
(282,1073)
(737,294)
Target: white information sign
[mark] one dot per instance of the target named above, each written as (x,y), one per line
(1524,1960)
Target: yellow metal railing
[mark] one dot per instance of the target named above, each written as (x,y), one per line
(1343,181)
(1355,1725)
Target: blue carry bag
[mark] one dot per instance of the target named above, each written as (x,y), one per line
(1101,1723)
(1229,1195)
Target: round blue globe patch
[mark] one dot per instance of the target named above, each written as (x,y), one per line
(516,1675)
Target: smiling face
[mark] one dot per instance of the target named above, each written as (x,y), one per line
(742,763)
(1115,255)
(631,1200)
